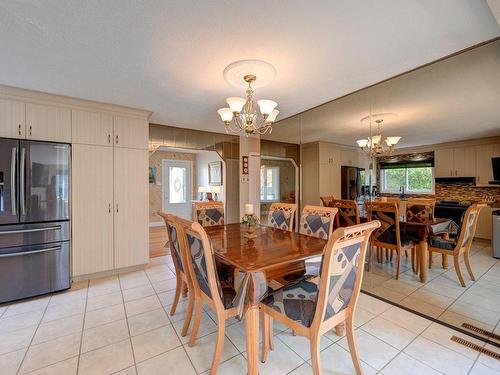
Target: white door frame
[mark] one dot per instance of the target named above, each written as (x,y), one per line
(164,186)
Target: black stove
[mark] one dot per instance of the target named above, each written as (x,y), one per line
(453,210)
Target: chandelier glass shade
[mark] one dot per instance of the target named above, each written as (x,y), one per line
(241,115)
(374,145)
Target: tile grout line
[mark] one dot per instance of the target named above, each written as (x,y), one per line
(83,326)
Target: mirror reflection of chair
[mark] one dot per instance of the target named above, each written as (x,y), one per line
(348,212)
(314,306)
(317,221)
(460,245)
(210,213)
(419,210)
(179,258)
(281,215)
(208,288)
(327,200)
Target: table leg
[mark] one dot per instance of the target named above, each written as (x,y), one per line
(423,260)
(252,336)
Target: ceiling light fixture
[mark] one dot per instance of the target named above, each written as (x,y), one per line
(241,114)
(373,145)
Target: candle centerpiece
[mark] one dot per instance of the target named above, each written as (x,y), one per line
(250,220)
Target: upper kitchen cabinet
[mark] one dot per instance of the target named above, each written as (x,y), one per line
(48,123)
(484,170)
(328,153)
(443,163)
(12,124)
(464,160)
(92,128)
(131,132)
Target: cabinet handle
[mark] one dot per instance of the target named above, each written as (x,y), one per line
(117,208)
(19,129)
(109,208)
(116,139)
(109,138)
(30,129)
(451,172)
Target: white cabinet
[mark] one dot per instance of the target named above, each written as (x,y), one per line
(48,123)
(92,209)
(329,180)
(130,132)
(92,128)
(12,124)
(484,170)
(349,158)
(328,153)
(484,224)
(443,163)
(131,226)
(455,162)
(464,160)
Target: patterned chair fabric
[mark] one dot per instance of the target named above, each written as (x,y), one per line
(348,212)
(315,224)
(197,253)
(420,213)
(299,301)
(467,225)
(175,246)
(210,216)
(280,219)
(439,242)
(387,231)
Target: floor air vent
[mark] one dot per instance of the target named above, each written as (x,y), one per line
(476,347)
(481,331)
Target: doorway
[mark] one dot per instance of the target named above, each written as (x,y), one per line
(177,187)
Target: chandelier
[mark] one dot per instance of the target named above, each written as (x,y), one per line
(373,145)
(242,114)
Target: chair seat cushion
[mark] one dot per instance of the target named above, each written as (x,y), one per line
(407,238)
(439,242)
(297,301)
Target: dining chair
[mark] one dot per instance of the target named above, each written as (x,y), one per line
(184,282)
(327,200)
(348,212)
(389,200)
(460,245)
(388,236)
(314,306)
(207,286)
(317,221)
(420,210)
(281,215)
(209,214)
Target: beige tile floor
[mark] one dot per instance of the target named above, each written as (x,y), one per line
(121,325)
(442,297)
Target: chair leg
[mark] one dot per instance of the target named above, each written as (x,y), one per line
(294,333)
(467,264)
(392,254)
(398,265)
(430,259)
(197,321)
(219,344)
(184,290)
(352,345)
(189,314)
(339,329)
(315,355)
(444,261)
(370,252)
(265,337)
(178,286)
(413,259)
(271,333)
(456,262)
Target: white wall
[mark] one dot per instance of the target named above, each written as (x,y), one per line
(202,160)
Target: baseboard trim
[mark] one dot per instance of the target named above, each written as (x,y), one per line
(119,271)
(153,224)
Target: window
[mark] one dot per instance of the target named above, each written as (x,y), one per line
(269,184)
(416,180)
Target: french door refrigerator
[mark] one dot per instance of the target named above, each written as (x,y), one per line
(34,218)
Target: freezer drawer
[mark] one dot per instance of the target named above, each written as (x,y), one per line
(34,270)
(33,234)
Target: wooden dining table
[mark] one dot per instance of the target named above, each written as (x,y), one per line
(254,259)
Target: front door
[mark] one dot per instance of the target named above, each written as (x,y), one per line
(177,187)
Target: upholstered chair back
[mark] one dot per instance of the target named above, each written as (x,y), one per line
(420,210)
(327,200)
(317,221)
(281,215)
(209,214)
(468,225)
(388,215)
(173,240)
(348,212)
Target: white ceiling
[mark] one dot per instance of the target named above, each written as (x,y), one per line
(454,99)
(168,56)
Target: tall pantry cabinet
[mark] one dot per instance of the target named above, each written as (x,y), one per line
(110,166)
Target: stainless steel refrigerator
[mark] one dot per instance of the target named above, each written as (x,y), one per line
(34,218)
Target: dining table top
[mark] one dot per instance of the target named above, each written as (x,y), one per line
(272,247)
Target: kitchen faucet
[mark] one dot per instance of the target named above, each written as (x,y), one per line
(402,191)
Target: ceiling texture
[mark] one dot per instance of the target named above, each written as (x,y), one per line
(168,56)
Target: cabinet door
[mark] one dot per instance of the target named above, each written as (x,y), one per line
(484,169)
(464,160)
(329,180)
(48,123)
(92,209)
(131,207)
(12,119)
(92,128)
(328,153)
(131,132)
(443,163)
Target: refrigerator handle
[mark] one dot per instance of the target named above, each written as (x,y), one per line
(22,178)
(13,180)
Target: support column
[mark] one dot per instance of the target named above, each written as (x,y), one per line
(250,183)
